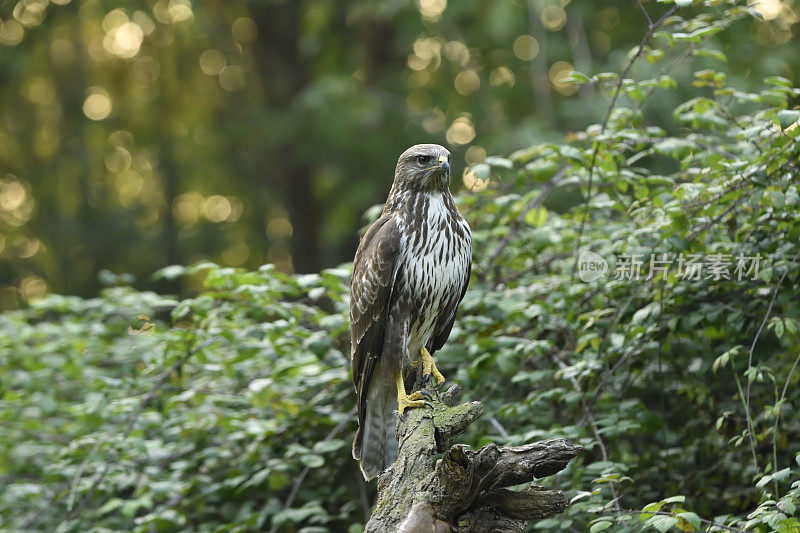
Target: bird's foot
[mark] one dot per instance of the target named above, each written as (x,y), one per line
(415,399)
(429,368)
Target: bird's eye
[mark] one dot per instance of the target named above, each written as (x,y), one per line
(424,159)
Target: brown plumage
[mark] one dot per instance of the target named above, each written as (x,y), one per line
(410,273)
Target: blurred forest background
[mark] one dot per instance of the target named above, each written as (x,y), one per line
(139,134)
(181,190)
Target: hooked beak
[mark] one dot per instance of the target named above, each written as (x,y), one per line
(443,164)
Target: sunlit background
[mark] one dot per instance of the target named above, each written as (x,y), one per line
(139,134)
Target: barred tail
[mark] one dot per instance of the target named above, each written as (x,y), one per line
(375,443)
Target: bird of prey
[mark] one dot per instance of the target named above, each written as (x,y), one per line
(410,272)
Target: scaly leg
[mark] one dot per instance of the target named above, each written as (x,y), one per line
(429,367)
(404,401)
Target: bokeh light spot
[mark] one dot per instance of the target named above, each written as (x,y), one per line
(212,62)
(26,247)
(114,19)
(187,208)
(41,91)
(217,208)
(457,52)
(30,12)
(467,82)
(231,78)
(554,18)
(769,9)
(502,76)
(431,10)
(32,288)
(97,105)
(11,32)
(244,29)
(180,10)
(427,48)
(12,194)
(473,182)
(129,186)
(475,154)
(279,228)
(526,47)
(558,72)
(279,255)
(119,160)
(124,41)
(461,131)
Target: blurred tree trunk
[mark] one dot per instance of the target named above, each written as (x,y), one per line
(279,60)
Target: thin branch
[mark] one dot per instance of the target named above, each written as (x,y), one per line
(646,14)
(753,347)
(777,419)
(499,427)
(515,226)
(617,90)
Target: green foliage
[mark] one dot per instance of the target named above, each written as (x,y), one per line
(233,409)
(260,379)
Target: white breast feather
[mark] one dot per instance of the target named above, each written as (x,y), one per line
(425,273)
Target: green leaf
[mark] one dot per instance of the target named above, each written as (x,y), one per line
(536,217)
(692,518)
(312,460)
(675,148)
(788,118)
(653,56)
(662,523)
(786,506)
(170,272)
(578,77)
(542,170)
(502,162)
(481,171)
(602,525)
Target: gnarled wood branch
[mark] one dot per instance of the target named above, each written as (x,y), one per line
(465,490)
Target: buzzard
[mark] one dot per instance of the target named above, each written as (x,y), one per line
(410,273)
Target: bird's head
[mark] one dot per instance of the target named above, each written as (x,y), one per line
(424,168)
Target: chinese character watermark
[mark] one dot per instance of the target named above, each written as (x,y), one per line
(688,267)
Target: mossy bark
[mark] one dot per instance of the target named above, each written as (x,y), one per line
(464,490)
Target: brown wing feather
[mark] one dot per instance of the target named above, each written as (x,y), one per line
(374,271)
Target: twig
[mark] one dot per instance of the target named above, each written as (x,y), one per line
(753,347)
(500,429)
(777,419)
(646,14)
(534,202)
(617,90)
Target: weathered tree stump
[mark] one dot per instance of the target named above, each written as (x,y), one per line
(464,491)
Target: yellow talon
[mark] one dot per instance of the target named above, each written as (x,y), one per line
(404,401)
(429,366)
